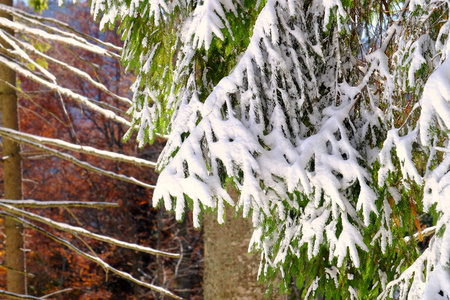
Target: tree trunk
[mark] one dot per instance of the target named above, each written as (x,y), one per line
(12,167)
(230,272)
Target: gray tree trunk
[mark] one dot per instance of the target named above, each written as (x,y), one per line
(12,168)
(229,271)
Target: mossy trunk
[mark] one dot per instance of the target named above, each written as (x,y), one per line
(12,168)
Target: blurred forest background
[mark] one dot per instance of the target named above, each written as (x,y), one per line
(53,268)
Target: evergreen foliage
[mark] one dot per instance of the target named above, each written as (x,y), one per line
(330,118)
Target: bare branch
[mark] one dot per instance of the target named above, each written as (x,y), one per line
(17,271)
(57,203)
(78,148)
(57,293)
(61,37)
(64,91)
(93,258)
(81,231)
(82,164)
(39,20)
(14,41)
(17,296)
(27,96)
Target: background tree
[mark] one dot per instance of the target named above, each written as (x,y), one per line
(46,52)
(12,170)
(330,118)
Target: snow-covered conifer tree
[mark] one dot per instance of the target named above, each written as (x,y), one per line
(329,117)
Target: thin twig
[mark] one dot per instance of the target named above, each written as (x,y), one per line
(57,292)
(18,271)
(27,96)
(57,203)
(82,240)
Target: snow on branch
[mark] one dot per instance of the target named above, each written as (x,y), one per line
(34,27)
(55,34)
(261,129)
(40,21)
(93,258)
(80,163)
(63,91)
(83,75)
(81,231)
(20,55)
(78,148)
(209,18)
(332,123)
(435,103)
(11,295)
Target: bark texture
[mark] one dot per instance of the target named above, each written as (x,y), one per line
(12,167)
(230,272)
